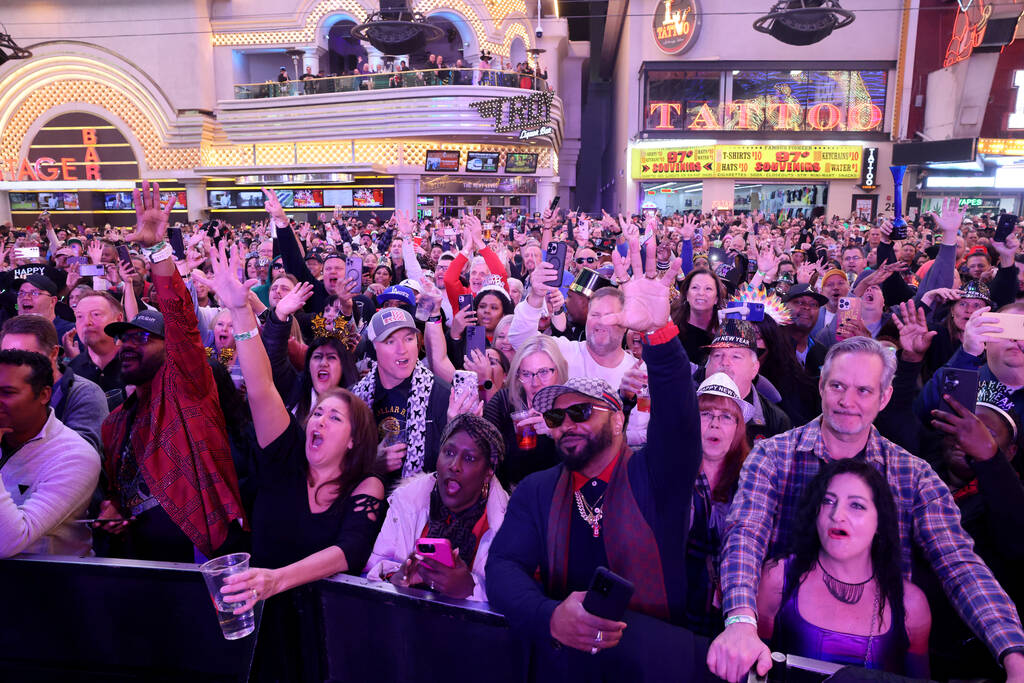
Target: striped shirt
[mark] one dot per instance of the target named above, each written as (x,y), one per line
(772,482)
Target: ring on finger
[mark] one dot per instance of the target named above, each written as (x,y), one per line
(255,595)
(599,638)
(593,650)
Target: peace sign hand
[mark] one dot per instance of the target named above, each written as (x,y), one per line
(273,207)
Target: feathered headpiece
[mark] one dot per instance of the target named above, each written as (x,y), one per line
(341,330)
(773,305)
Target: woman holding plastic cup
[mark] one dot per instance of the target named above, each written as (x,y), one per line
(318,506)
(537,364)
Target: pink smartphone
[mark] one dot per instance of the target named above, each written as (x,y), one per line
(437,549)
(848,308)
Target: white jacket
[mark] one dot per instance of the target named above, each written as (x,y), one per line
(409,507)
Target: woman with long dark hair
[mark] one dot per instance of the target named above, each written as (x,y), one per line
(840,596)
(695,313)
(801,399)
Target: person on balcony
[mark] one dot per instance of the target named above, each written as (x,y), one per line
(308,81)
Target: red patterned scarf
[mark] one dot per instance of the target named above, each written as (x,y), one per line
(629,541)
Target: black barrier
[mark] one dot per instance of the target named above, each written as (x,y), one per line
(97,619)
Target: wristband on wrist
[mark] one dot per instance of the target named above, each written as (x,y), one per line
(254,332)
(434,319)
(762,274)
(662,336)
(162,254)
(740,619)
(156,247)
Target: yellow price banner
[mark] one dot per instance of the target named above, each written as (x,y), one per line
(771,162)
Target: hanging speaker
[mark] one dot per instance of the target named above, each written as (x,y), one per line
(803,22)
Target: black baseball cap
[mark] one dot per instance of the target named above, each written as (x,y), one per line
(148,321)
(40,282)
(804,289)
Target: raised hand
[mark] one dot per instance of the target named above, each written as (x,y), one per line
(274,208)
(150,220)
(979,329)
(915,337)
(95,250)
(647,295)
(293,301)
(689,227)
(951,218)
(230,291)
(970,432)
(404,223)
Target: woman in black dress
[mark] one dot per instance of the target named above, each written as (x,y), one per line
(318,506)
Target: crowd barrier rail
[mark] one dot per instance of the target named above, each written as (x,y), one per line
(390,79)
(101,619)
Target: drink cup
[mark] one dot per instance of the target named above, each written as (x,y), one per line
(233,626)
(526,435)
(643,400)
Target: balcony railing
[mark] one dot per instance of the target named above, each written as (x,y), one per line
(390,79)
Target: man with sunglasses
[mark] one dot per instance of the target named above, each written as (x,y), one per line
(585,258)
(606,506)
(172,484)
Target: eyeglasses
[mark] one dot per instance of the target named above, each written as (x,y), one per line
(544,374)
(710,416)
(31,293)
(578,412)
(586,259)
(135,337)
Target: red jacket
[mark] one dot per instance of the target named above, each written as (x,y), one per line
(179,435)
(454,288)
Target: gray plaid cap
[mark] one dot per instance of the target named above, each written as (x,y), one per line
(590,387)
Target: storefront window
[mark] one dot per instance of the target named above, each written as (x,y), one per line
(766,100)
(675,97)
(782,200)
(672,197)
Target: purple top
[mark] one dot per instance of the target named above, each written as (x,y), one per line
(794,635)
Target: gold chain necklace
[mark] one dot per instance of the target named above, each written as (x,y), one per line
(590,515)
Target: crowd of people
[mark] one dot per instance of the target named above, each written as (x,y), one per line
(399,73)
(749,418)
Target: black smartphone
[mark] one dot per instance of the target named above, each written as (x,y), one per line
(211,228)
(962,385)
(177,241)
(1007,222)
(719,255)
(556,257)
(465,300)
(554,203)
(608,596)
(354,272)
(124,256)
(476,338)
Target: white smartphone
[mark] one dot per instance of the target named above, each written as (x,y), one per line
(465,381)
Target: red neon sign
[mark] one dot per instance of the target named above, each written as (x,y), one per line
(65,168)
(753,115)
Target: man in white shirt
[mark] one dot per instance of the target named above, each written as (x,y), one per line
(47,471)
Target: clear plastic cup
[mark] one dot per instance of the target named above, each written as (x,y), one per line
(526,435)
(233,626)
(643,399)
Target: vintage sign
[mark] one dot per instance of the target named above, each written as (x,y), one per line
(527,116)
(65,168)
(675,26)
(782,162)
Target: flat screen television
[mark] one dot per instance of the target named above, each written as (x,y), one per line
(482,162)
(250,199)
(71,201)
(221,199)
(24,201)
(51,201)
(286,197)
(118,201)
(179,197)
(309,199)
(368,197)
(520,162)
(443,160)
(333,198)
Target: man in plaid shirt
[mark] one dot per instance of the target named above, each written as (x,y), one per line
(856,383)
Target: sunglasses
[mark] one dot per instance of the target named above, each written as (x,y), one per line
(586,259)
(578,412)
(136,337)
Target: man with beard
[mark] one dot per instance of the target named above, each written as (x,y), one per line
(804,304)
(601,355)
(606,506)
(172,484)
